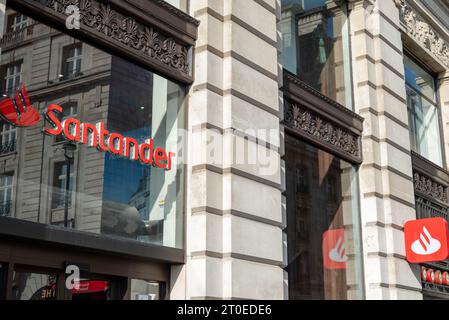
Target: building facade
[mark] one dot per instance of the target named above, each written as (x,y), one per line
(221,149)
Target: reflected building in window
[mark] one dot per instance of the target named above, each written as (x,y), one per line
(107,194)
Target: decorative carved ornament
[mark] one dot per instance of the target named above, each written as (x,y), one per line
(430,188)
(314,126)
(423,33)
(127,31)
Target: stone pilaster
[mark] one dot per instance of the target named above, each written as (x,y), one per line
(387,194)
(234,224)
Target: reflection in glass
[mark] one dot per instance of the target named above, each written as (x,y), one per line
(91,290)
(109,195)
(146,290)
(316,46)
(324,253)
(6,185)
(34,286)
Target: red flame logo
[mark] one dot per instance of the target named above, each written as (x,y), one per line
(18,111)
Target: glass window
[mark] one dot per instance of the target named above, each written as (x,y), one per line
(180,4)
(424,116)
(13,77)
(315,46)
(71,61)
(8,135)
(147,290)
(17,22)
(323,225)
(6,184)
(125,124)
(34,286)
(60,185)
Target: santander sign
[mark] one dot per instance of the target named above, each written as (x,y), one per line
(19,112)
(97,136)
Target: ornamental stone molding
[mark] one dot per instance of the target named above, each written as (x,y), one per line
(312,125)
(312,117)
(423,33)
(151,32)
(430,188)
(127,31)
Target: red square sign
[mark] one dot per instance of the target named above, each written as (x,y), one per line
(426,240)
(334,249)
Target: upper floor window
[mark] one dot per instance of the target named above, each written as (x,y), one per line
(71,61)
(12,77)
(424,116)
(315,46)
(6,183)
(8,135)
(16,22)
(60,185)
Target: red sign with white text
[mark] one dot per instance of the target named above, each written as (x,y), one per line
(334,249)
(426,240)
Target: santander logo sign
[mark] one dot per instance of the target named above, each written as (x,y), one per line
(426,240)
(334,249)
(19,112)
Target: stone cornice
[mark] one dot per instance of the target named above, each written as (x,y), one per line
(430,188)
(150,32)
(321,121)
(430,180)
(312,125)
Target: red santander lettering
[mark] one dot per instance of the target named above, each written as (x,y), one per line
(96,136)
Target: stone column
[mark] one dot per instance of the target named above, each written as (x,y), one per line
(234,225)
(387,193)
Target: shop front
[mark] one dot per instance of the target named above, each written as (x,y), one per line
(92,171)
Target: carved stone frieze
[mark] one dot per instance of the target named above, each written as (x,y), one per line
(127,31)
(423,33)
(430,188)
(306,122)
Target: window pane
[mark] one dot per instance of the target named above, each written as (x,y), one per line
(418,79)
(316,46)
(424,116)
(34,286)
(145,290)
(323,226)
(127,174)
(428,131)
